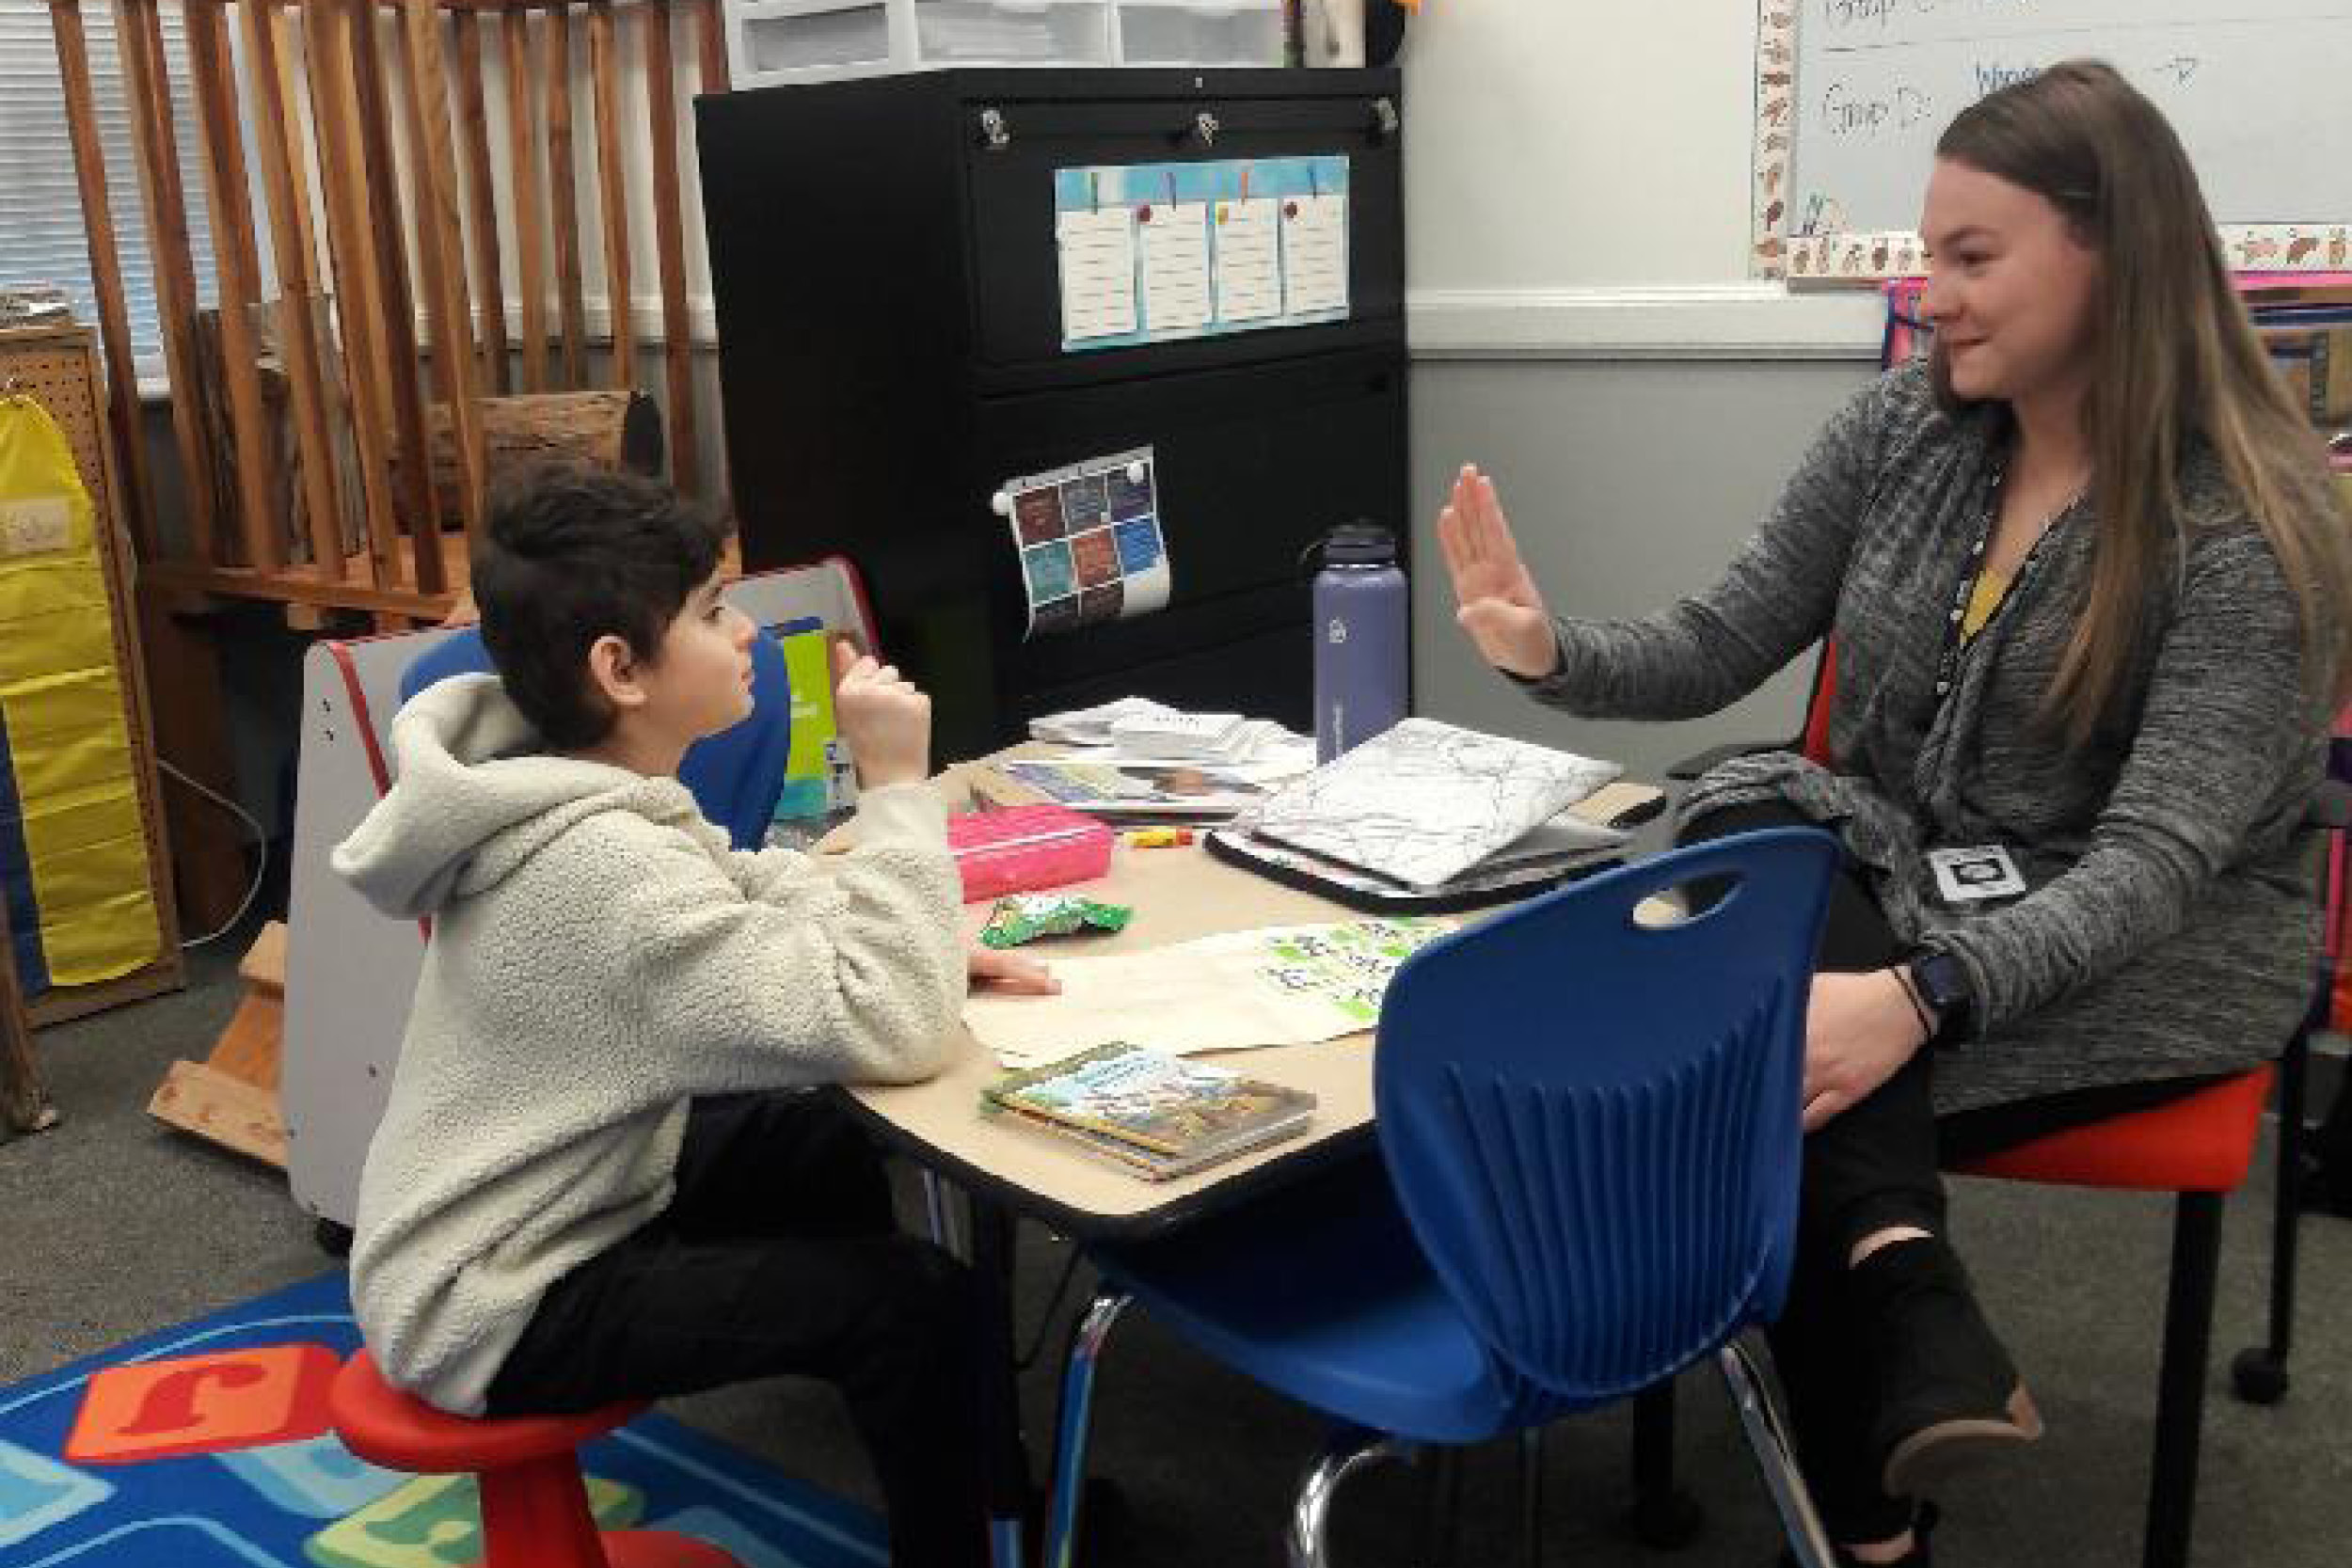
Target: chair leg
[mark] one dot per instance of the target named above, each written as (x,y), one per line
(1532,1496)
(939,1215)
(1441,1510)
(1768,1438)
(540,1506)
(2259,1374)
(1069,1437)
(1347,1451)
(1663,1516)
(2181,1383)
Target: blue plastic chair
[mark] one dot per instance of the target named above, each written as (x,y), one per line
(1589,1140)
(734,776)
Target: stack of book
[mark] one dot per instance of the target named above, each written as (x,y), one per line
(1150,1112)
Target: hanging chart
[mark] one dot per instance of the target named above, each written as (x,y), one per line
(1089,541)
(1155,253)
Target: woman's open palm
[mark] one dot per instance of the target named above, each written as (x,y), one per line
(1499,605)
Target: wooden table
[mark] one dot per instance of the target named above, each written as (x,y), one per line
(1177,893)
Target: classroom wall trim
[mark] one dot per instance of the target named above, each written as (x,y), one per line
(1747,320)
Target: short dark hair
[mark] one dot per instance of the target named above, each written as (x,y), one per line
(571,553)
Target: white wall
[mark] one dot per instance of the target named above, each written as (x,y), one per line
(1583,324)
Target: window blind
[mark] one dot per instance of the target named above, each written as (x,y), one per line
(41,236)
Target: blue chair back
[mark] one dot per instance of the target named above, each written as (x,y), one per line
(734,776)
(1592,1124)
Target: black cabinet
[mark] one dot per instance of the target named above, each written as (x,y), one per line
(884,257)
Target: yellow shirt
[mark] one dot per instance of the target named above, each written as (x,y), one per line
(1982,602)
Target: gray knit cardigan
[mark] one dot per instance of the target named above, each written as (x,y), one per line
(2170,925)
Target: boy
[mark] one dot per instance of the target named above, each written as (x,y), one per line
(586,1186)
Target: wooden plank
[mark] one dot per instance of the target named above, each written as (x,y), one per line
(604,69)
(264,962)
(286,188)
(237,273)
(563,188)
(343,183)
(63,1003)
(669,229)
(223,1110)
(529,206)
(138,40)
(25,1105)
(247,1049)
(403,354)
(302,585)
(292,96)
(439,252)
(124,415)
(482,208)
(711,43)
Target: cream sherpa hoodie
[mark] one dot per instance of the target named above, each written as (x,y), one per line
(600,956)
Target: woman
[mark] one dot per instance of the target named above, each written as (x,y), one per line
(2088,590)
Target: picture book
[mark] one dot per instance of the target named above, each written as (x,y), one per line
(1158,1113)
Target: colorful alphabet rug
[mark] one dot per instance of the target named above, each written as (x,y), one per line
(207,1446)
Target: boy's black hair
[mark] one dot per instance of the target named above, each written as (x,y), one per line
(571,553)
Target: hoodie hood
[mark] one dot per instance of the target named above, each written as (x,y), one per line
(474,797)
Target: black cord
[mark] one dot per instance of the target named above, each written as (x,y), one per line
(1052,1305)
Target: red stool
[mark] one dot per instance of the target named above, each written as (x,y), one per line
(534,1507)
(2198,1146)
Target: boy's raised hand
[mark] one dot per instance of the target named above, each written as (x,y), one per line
(1499,606)
(886,719)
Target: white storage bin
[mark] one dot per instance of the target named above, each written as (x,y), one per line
(1016,32)
(1200,32)
(781,36)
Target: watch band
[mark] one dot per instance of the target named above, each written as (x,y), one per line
(1942,984)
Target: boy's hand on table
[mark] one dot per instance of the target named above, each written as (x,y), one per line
(993,969)
(885,720)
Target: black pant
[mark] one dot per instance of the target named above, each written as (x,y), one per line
(779,1255)
(1873,1165)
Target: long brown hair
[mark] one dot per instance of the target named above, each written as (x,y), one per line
(2175,360)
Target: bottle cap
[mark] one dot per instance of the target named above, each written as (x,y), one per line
(1360,544)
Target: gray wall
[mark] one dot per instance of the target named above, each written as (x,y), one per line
(1627,484)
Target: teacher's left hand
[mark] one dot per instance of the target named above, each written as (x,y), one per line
(1858,1030)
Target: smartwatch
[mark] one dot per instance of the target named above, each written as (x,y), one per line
(1943,985)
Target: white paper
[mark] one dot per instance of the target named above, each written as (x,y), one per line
(1249,260)
(1175,265)
(1098,273)
(34,527)
(1276,985)
(1314,254)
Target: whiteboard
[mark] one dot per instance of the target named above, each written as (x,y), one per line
(1853,95)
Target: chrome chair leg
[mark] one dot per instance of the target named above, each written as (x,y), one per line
(939,1215)
(1767,1437)
(1532,1496)
(1346,1451)
(1070,1435)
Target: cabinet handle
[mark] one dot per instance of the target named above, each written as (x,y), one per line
(996,134)
(1384,118)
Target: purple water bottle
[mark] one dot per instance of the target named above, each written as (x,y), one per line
(1361,638)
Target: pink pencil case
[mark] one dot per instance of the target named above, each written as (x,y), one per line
(1022,848)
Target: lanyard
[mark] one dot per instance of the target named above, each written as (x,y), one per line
(1955,646)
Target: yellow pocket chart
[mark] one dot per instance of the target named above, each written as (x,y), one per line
(73,867)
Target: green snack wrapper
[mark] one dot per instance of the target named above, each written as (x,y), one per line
(1021,917)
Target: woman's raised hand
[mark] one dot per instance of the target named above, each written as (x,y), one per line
(1499,606)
